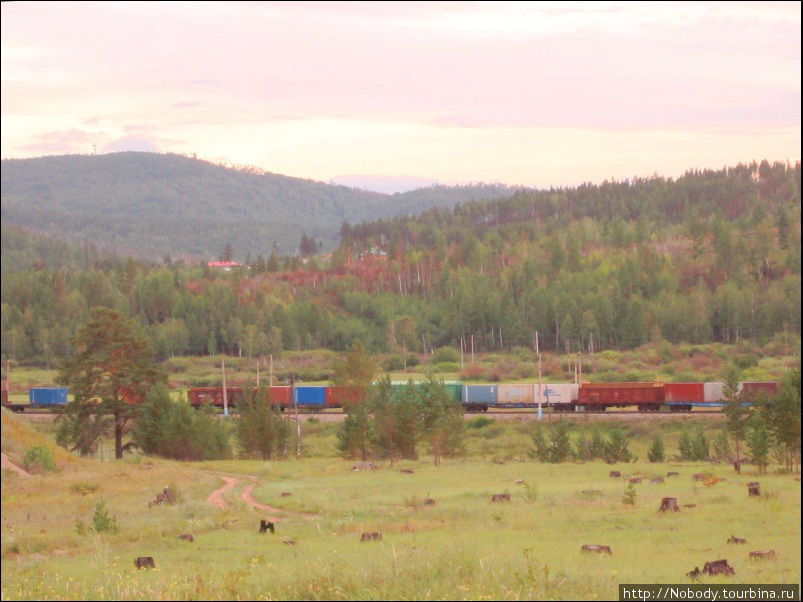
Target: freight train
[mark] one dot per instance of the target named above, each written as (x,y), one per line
(561,397)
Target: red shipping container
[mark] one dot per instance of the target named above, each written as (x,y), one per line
(684,392)
(337,396)
(280,396)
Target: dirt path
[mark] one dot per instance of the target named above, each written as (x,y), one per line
(246,497)
(216,497)
(9,465)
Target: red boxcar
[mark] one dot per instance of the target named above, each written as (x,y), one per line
(598,396)
(214,395)
(751,390)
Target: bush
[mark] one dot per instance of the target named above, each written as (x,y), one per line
(445,354)
(480,422)
(38,459)
(446,367)
(656,453)
(101,521)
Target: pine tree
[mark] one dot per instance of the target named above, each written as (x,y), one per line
(656,453)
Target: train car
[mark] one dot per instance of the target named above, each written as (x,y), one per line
(753,391)
(199,396)
(648,397)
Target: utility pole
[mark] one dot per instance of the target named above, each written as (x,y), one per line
(225,399)
(295,404)
(540,387)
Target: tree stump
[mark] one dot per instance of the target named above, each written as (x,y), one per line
(669,503)
(754,489)
(614,474)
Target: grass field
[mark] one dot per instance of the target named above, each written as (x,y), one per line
(462,547)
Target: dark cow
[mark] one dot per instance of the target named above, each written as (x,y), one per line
(734,539)
(589,547)
(500,497)
(144,562)
(186,537)
(373,536)
(718,567)
(265,526)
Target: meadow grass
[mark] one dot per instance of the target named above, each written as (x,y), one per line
(462,547)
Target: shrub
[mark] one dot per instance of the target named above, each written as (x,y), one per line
(480,422)
(629,496)
(38,459)
(444,354)
(101,521)
(656,453)
(446,367)
(84,488)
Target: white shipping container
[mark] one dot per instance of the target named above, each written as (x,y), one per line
(516,393)
(559,393)
(712,392)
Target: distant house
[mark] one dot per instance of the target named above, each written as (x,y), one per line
(225,265)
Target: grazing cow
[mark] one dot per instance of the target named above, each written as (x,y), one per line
(186,537)
(762,555)
(373,536)
(734,539)
(265,526)
(718,567)
(614,474)
(590,547)
(500,497)
(144,562)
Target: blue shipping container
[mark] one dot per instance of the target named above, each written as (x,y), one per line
(479,394)
(310,396)
(56,396)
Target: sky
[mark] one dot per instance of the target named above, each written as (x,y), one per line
(402,94)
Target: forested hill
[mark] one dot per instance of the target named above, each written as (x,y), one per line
(153,205)
(710,257)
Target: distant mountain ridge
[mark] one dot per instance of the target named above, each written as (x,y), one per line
(152,205)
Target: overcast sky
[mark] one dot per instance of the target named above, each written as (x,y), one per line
(537,94)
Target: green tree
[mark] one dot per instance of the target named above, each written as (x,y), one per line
(175,430)
(260,428)
(736,415)
(656,453)
(355,373)
(617,450)
(684,446)
(111,371)
(759,442)
(442,420)
(560,448)
(783,417)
